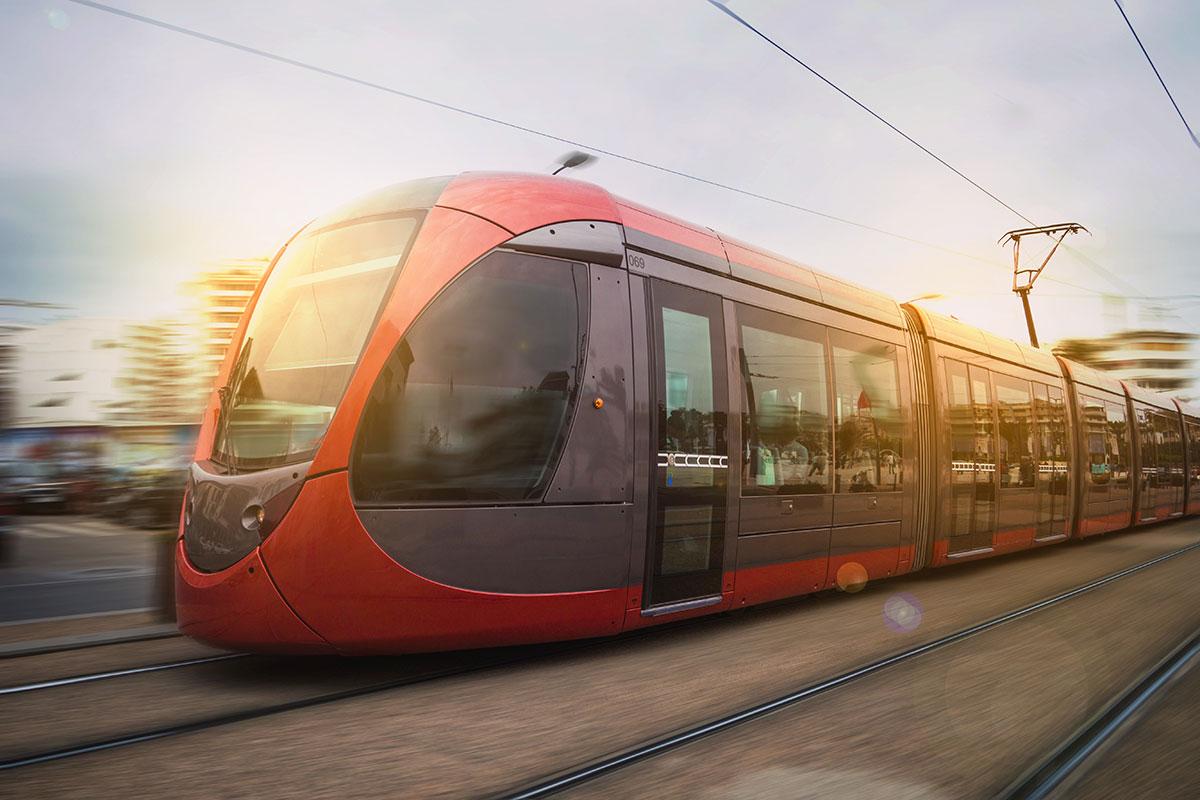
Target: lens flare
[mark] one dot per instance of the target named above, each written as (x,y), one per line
(903,612)
(851,577)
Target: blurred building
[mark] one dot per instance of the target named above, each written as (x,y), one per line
(8,372)
(221,291)
(1161,360)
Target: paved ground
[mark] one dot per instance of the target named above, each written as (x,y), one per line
(956,723)
(64,565)
(1155,755)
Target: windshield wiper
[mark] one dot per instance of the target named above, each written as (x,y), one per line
(227,395)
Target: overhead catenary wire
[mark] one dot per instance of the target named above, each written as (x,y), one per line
(330,73)
(720,5)
(1157,74)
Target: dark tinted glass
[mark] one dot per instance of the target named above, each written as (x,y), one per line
(867,417)
(962,447)
(786,423)
(1118,441)
(1097,438)
(1015,411)
(473,404)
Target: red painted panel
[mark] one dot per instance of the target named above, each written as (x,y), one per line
(778,581)
(523,202)
(448,243)
(239,608)
(879,564)
(667,227)
(340,582)
(1104,523)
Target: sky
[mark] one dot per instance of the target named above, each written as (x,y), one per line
(132,155)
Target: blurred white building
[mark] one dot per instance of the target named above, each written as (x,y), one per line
(1161,360)
(221,292)
(66,373)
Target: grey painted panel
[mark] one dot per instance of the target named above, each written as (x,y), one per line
(655,267)
(859,300)
(596,242)
(765,549)
(863,507)
(527,549)
(214,535)
(650,243)
(596,464)
(860,538)
(781,283)
(785,512)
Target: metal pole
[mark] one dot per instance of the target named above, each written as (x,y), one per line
(1033,340)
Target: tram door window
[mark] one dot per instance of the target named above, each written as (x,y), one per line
(1147,464)
(973,456)
(962,453)
(1119,453)
(692,458)
(1016,469)
(867,417)
(1193,450)
(1170,461)
(1053,462)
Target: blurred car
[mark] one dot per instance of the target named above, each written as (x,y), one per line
(39,486)
(147,496)
(8,510)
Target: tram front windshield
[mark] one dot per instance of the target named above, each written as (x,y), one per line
(304,339)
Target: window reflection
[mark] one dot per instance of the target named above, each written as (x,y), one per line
(473,403)
(867,417)
(787,420)
(1015,411)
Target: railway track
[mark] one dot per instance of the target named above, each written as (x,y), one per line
(92,677)
(1070,760)
(582,774)
(561,781)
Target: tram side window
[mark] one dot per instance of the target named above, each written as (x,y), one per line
(473,404)
(1097,436)
(868,423)
(1017,468)
(1193,445)
(962,446)
(1117,444)
(786,402)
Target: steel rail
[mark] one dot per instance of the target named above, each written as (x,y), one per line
(1067,761)
(117,673)
(541,651)
(63,644)
(582,774)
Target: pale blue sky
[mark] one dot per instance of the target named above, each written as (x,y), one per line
(129,154)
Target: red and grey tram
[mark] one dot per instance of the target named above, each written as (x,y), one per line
(499,408)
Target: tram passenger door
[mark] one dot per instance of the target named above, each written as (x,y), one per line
(691,455)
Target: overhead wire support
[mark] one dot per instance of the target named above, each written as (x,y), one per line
(1107,274)
(1157,74)
(1023,279)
